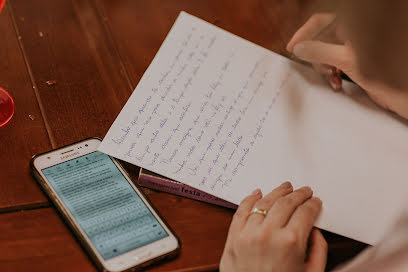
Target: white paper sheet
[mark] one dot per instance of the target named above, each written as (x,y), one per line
(226,116)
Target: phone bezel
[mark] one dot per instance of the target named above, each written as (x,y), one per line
(145,255)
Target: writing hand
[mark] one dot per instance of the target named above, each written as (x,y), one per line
(278,241)
(323,42)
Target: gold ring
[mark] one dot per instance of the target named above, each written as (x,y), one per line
(258,211)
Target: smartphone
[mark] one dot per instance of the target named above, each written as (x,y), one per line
(111,217)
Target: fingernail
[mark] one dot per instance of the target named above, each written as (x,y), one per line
(257,192)
(298,49)
(336,85)
(334,82)
(286,185)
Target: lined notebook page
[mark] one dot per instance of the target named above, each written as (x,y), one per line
(226,116)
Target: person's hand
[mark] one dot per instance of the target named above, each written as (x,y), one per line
(323,42)
(283,240)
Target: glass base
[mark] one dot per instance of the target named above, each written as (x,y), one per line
(6,107)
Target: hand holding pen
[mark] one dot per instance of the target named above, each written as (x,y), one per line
(323,42)
(320,41)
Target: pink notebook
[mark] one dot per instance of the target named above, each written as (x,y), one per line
(156,182)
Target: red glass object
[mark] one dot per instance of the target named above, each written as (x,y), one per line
(6,107)
(6,102)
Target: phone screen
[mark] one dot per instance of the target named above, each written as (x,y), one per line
(104,204)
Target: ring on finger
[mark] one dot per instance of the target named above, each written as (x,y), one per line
(258,211)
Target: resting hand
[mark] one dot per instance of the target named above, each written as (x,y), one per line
(309,44)
(283,240)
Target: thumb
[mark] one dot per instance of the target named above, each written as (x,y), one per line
(320,52)
(317,255)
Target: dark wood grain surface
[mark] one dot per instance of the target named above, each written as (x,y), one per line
(25,135)
(70,66)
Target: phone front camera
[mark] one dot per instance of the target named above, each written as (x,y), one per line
(86,145)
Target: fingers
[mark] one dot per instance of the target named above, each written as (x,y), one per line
(241,215)
(317,255)
(321,54)
(339,56)
(331,74)
(335,81)
(284,207)
(267,202)
(304,217)
(311,28)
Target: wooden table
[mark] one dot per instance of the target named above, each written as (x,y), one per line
(70,66)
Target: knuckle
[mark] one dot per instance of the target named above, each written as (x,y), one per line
(230,251)
(260,237)
(290,239)
(233,248)
(259,240)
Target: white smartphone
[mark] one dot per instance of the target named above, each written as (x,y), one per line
(110,216)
